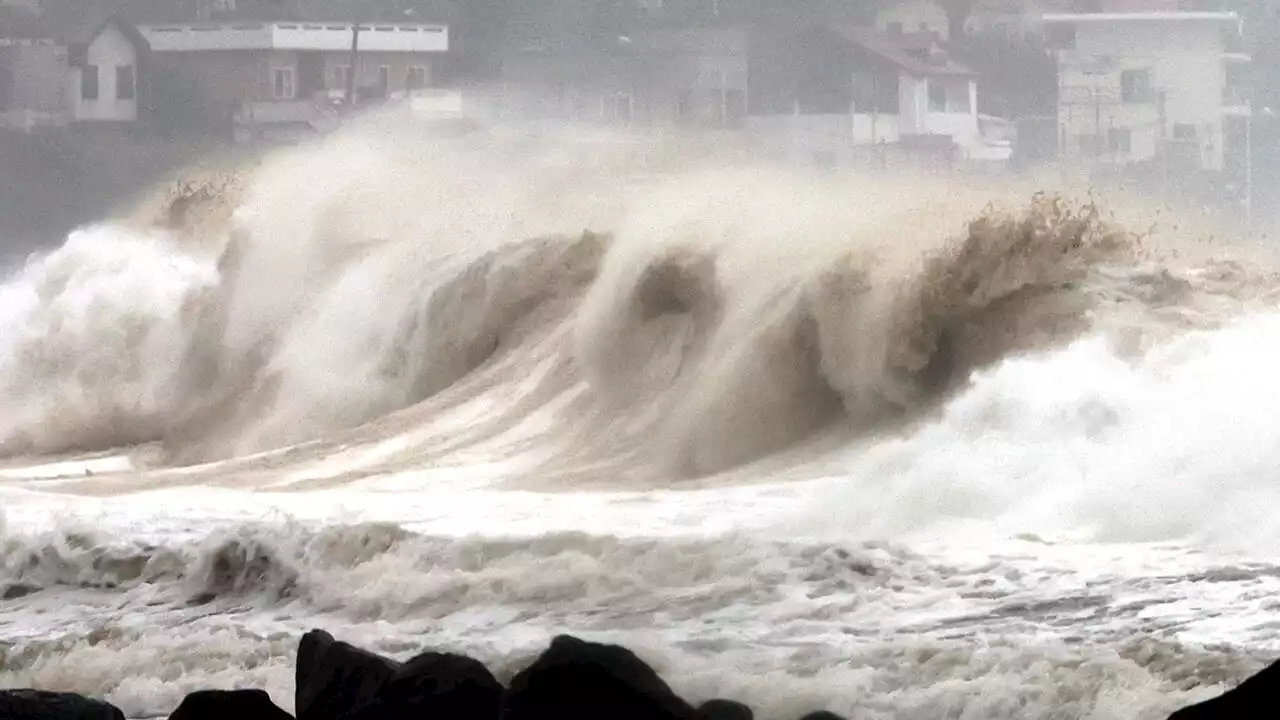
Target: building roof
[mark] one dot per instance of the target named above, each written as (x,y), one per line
(294,35)
(76,52)
(1172,16)
(908,53)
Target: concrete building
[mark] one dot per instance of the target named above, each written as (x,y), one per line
(1149,87)
(267,76)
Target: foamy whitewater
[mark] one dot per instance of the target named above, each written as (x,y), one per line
(890,446)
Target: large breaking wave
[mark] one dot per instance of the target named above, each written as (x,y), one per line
(655,314)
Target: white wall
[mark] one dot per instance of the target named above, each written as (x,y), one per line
(108,51)
(915,15)
(1186,62)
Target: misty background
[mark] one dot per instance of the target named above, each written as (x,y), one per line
(53,179)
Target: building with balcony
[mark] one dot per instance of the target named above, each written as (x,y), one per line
(1149,87)
(264,76)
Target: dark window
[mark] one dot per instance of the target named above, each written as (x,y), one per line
(417,78)
(616,108)
(1135,86)
(6,88)
(89,82)
(1184,131)
(1062,36)
(1120,140)
(735,108)
(125,86)
(937,96)
(384,78)
(895,28)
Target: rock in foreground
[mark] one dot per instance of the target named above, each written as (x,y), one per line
(229,705)
(1257,698)
(334,678)
(43,705)
(578,680)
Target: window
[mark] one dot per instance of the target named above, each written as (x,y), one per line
(1062,37)
(126,88)
(735,108)
(1120,140)
(895,28)
(958,98)
(282,85)
(6,88)
(1135,86)
(864,92)
(937,96)
(338,76)
(89,82)
(616,108)
(384,78)
(417,78)
(1184,132)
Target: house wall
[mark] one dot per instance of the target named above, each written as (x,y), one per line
(915,16)
(35,74)
(1187,65)
(216,81)
(397,64)
(109,50)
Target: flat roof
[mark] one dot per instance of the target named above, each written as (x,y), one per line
(389,37)
(1141,17)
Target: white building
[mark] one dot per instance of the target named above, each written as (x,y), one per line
(853,89)
(1148,86)
(103,74)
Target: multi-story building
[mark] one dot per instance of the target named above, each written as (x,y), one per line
(1138,87)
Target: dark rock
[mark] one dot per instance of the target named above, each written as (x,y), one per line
(229,705)
(719,709)
(1254,699)
(43,705)
(822,715)
(333,678)
(439,686)
(578,680)
(19,590)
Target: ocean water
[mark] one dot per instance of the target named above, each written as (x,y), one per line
(889,446)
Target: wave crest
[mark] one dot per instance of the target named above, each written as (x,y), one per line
(711,317)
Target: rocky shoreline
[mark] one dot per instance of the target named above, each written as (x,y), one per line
(573,679)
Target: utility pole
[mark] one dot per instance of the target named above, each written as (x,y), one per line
(1248,169)
(353,70)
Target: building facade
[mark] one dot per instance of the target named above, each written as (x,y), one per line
(1149,87)
(33,77)
(261,74)
(836,91)
(105,74)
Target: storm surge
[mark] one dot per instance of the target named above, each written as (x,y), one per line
(612,306)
